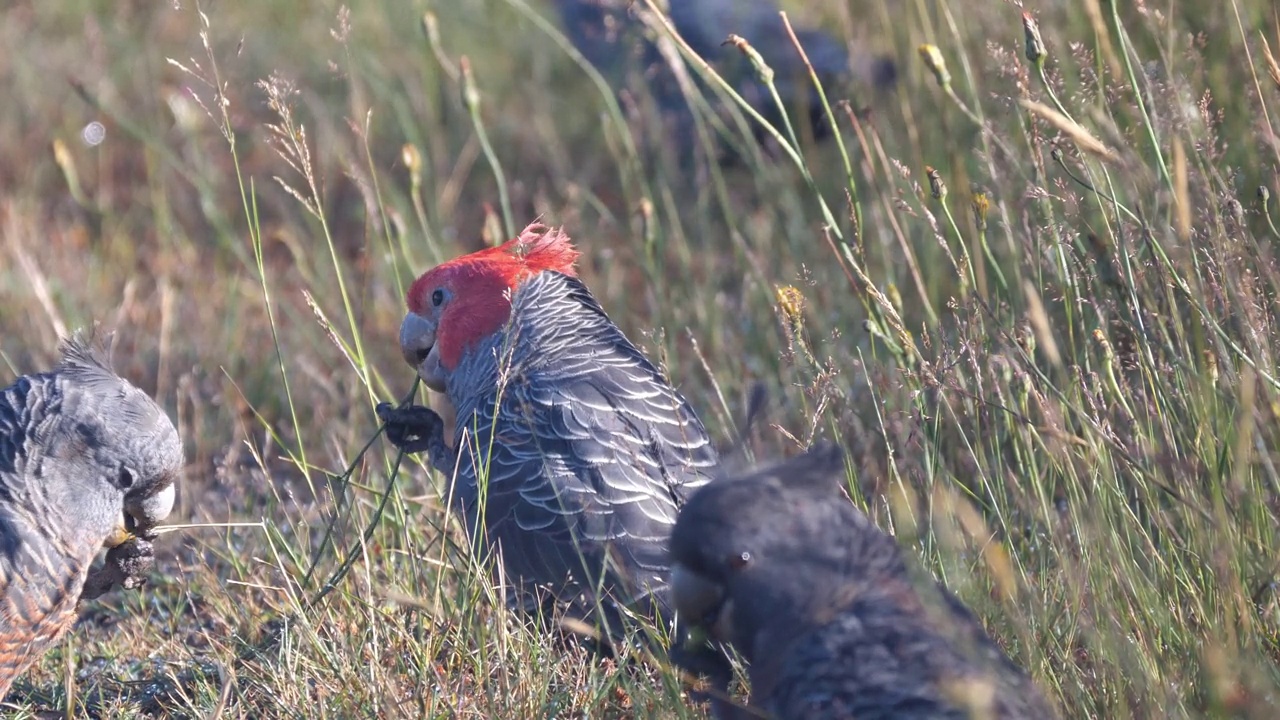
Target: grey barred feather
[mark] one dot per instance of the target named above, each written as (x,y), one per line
(583,449)
(77,445)
(880,658)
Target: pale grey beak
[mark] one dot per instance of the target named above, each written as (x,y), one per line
(418,346)
(417,337)
(695,597)
(140,517)
(150,511)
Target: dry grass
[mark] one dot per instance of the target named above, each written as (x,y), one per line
(1053,358)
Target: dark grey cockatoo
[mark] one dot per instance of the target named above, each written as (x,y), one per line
(823,606)
(572,453)
(87,460)
(608,33)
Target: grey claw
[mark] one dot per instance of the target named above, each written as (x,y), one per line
(384,410)
(127,565)
(412,428)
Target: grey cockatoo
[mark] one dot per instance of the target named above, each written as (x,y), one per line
(87,460)
(821,603)
(572,453)
(608,33)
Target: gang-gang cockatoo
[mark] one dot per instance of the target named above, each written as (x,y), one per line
(86,460)
(611,35)
(826,609)
(572,454)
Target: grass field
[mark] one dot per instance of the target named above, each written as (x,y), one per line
(1055,369)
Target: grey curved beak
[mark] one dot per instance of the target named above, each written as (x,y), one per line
(140,517)
(417,337)
(695,597)
(150,511)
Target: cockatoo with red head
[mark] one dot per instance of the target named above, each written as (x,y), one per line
(572,454)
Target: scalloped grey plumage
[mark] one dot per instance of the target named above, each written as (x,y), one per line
(824,606)
(583,449)
(78,446)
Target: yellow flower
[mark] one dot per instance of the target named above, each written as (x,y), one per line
(981,204)
(791,303)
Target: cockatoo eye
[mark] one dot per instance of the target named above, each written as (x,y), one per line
(437,298)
